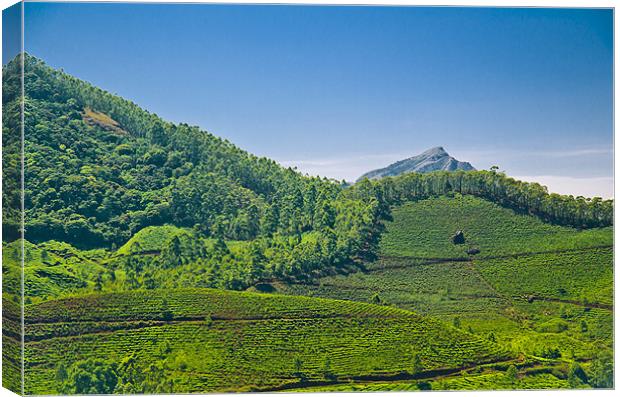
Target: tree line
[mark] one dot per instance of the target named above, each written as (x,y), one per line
(524,197)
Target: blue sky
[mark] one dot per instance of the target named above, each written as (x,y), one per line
(337,91)
(11,32)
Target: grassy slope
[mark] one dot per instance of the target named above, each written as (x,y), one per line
(223,340)
(57,270)
(583,277)
(438,289)
(424,229)
(11,338)
(52,268)
(150,239)
(488,293)
(465,381)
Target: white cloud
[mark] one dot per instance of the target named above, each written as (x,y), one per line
(577,153)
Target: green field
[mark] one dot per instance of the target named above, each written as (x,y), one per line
(580,277)
(424,314)
(424,229)
(221,341)
(463,381)
(406,321)
(533,287)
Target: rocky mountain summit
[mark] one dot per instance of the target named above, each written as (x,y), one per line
(434,159)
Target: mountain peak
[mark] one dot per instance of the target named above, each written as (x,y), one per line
(435,150)
(433,159)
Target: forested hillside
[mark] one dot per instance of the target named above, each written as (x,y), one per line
(99,169)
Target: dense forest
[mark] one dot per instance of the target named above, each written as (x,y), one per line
(98,169)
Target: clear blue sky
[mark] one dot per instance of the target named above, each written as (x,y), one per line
(11,32)
(341,90)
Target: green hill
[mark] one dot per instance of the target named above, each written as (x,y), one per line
(150,240)
(211,340)
(51,269)
(541,290)
(100,170)
(425,228)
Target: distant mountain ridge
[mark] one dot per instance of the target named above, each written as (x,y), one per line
(434,159)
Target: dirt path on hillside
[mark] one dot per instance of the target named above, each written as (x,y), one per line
(431,260)
(591,305)
(390,378)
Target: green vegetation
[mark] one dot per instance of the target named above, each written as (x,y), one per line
(11,216)
(11,346)
(584,277)
(150,240)
(424,229)
(51,269)
(137,230)
(532,375)
(539,290)
(522,197)
(251,341)
(100,170)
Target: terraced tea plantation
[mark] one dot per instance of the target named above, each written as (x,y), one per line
(423,229)
(211,340)
(520,304)
(540,290)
